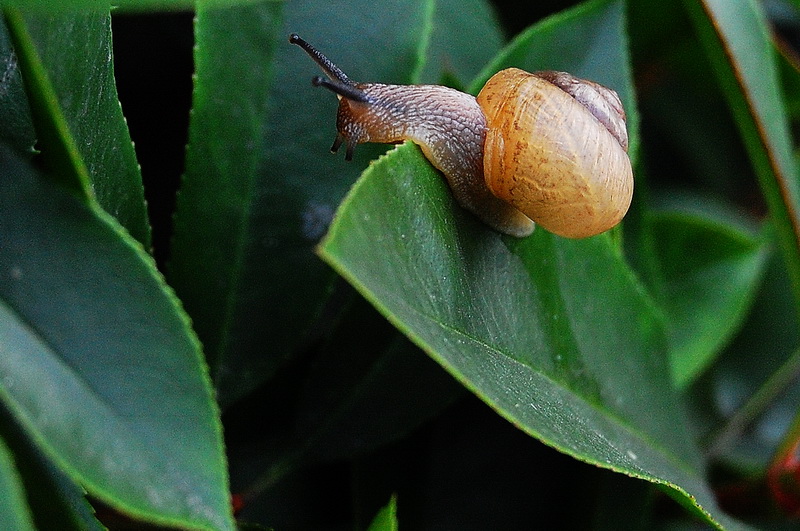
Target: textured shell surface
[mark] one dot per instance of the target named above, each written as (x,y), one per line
(548,156)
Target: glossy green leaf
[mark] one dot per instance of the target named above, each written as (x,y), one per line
(526,325)
(736,37)
(14,512)
(76,50)
(97,360)
(260,188)
(386,519)
(67,67)
(709,273)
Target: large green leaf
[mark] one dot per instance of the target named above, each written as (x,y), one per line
(552,333)
(67,68)
(97,360)
(556,335)
(260,189)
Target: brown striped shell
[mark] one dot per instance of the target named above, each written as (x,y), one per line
(556,149)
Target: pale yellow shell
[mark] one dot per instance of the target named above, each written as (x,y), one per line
(549,157)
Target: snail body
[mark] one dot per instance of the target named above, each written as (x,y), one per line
(546,147)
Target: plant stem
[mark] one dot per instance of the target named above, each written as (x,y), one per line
(756,405)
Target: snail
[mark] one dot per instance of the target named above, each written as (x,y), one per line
(544,147)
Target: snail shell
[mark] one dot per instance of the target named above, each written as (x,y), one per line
(547,155)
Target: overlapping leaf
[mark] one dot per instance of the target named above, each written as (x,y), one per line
(737,40)
(709,271)
(66,61)
(578,363)
(97,361)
